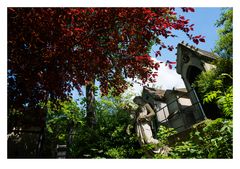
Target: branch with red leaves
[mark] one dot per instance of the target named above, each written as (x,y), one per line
(51,51)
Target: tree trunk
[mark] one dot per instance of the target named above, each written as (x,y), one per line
(91,105)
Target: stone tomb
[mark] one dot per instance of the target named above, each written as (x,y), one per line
(181,108)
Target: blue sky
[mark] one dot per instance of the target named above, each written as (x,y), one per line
(203,20)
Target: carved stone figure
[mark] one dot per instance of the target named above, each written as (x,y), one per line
(144,116)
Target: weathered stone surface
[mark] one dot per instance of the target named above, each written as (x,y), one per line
(189,55)
(180,108)
(190,63)
(156,94)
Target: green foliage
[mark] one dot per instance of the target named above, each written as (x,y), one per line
(210,80)
(204,82)
(208,139)
(223,99)
(116,129)
(224,44)
(186,149)
(226,102)
(112,137)
(163,134)
(211,139)
(63,117)
(213,95)
(215,86)
(118,152)
(13,119)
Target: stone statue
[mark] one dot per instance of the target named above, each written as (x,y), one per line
(144,115)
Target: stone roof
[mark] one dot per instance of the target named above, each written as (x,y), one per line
(159,94)
(156,94)
(185,52)
(206,53)
(182,90)
(200,53)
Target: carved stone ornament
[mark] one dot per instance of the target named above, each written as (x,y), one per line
(185,58)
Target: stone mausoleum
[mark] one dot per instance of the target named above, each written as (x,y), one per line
(181,108)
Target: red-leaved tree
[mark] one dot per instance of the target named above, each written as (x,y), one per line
(51,51)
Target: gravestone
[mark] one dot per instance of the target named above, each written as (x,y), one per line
(61,151)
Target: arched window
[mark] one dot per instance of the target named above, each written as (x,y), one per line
(192,73)
(211,110)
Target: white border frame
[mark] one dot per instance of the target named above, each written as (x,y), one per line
(8,163)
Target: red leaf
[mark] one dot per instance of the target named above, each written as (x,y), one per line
(78,29)
(100,39)
(191,9)
(196,41)
(164,46)
(182,17)
(170,48)
(172,62)
(158,53)
(155,74)
(156,66)
(199,36)
(202,40)
(186,29)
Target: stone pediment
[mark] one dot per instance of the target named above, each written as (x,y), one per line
(186,53)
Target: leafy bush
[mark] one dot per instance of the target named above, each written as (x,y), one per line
(223,99)
(112,137)
(212,139)
(164,133)
(215,86)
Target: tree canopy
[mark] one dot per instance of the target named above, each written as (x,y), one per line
(51,51)
(225,32)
